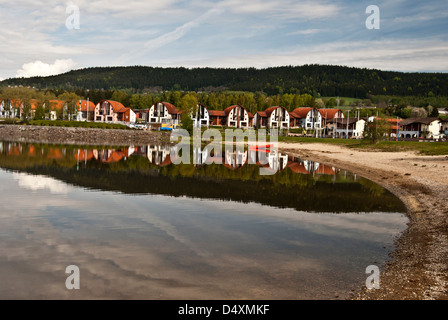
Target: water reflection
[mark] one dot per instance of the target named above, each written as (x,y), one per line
(302,185)
(185,231)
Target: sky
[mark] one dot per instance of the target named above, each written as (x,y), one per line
(53,36)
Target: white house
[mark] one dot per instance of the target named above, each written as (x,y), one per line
(306,118)
(7,110)
(238,117)
(85,110)
(271,118)
(160,112)
(202,116)
(347,127)
(421,127)
(113,111)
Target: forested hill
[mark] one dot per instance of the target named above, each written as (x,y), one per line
(313,79)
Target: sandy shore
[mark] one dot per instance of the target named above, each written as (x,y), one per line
(418,268)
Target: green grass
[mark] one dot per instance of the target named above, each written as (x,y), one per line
(423,148)
(77,124)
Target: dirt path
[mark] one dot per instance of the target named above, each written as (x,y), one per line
(418,268)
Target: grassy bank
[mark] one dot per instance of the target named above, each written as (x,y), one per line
(424,148)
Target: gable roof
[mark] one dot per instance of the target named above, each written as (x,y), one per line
(301,112)
(116,106)
(57,104)
(329,113)
(269,110)
(217,113)
(418,120)
(83,106)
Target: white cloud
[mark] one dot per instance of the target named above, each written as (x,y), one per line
(39,68)
(396,55)
(305,32)
(286,9)
(34,183)
(169,37)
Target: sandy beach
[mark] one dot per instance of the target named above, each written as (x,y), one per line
(418,268)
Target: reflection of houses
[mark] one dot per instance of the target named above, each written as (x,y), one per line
(113,111)
(202,116)
(235,159)
(347,127)
(85,110)
(277,161)
(306,118)
(200,156)
(112,155)
(421,127)
(310,167)
(273,117)
(158,154)
(273,160)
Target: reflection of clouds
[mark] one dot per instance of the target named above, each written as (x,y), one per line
(37,182)
(374,226)
(155,246)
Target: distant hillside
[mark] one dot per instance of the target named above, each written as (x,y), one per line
(313,79)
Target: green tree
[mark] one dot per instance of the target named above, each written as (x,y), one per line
(377,130)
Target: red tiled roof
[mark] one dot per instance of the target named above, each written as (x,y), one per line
(268,111)
(329,113)
(293,115)
(116,106)
(83,155)
(171,108)
(84,106)
(301,112)
(298,167)
(217,113)
(323,169)
(262,114)
(57,104)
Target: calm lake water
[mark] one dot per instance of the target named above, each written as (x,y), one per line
(140,227)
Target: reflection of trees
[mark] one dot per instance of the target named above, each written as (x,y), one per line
(374,189)
(134,173)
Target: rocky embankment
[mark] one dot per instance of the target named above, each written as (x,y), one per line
(81,136)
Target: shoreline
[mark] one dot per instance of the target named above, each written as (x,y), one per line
(80,136)
(418,266)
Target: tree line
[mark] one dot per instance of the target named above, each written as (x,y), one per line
(316,80)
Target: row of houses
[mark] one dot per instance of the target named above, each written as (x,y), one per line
(330,122)
(82,110)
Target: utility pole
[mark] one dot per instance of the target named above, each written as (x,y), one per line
(348,118)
